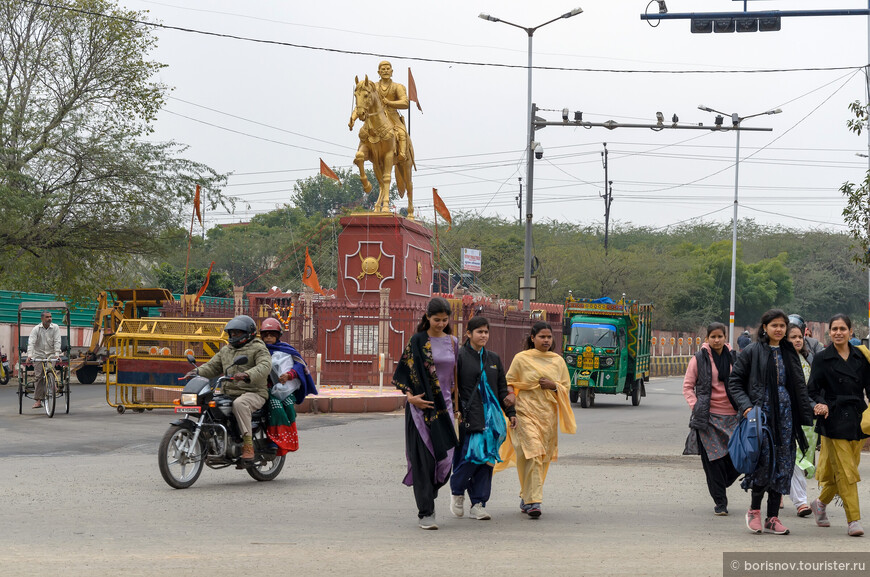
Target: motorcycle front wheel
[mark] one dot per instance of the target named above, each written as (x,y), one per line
(180,463)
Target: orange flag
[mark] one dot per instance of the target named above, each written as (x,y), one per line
(441,207)
(309,277)
(201,290)
(196,206)
(412,90)
(327,172)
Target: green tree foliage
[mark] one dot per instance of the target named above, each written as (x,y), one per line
(85,196)
(172,278)
(318,195)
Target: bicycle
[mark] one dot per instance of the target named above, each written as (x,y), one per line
(56,384)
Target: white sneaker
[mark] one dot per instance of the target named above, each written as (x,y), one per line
(479,512)
(428,522)
(855,529)
(457,505)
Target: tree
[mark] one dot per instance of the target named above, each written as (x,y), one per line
(85,196)
(172,279)
(857,210)
(318,195)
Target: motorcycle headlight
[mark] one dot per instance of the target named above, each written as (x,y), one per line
(188,398)
(608,362)
(569,359)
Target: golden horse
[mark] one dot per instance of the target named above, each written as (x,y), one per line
(378,145)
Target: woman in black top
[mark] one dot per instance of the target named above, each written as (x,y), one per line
(481,382)
(768,374)
(838,382)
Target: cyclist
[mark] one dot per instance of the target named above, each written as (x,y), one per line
(43,345)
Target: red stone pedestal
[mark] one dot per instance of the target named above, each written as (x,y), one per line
(384,251)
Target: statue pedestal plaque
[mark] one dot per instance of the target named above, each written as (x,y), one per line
(377,251)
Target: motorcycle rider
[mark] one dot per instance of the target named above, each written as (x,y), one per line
(248,387)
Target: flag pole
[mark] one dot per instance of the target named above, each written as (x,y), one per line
(437,257)
(187,262)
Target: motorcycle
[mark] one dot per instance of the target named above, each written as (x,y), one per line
(209,435)
(5,373)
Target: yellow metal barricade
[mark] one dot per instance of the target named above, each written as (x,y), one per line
(147,357)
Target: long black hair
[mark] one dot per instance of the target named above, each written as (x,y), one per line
(475,323)
(436,306)
(536,328)
(717,326)
(767,318)
(841,317)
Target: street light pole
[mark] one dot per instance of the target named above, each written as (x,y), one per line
(736,119)
(530,151)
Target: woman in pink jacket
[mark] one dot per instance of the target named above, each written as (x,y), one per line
(713,417)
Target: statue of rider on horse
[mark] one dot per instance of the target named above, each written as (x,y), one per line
(383,138)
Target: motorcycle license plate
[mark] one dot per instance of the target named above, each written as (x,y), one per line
(195,410)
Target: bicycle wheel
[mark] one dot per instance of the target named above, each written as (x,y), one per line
(66,388)
(50,393)
(20,394)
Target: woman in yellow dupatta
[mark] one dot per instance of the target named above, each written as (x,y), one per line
(539,378)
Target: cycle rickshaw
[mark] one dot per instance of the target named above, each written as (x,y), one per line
(56,370)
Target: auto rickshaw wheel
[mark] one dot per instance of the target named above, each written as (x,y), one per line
(587,397)
(574,394)
(635,392)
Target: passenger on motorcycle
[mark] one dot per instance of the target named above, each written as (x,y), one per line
(248,387)
(288,366)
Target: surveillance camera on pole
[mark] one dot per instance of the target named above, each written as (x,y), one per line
(539,151)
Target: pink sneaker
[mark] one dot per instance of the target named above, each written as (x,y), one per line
(772,525)
(820,514)
(753,520)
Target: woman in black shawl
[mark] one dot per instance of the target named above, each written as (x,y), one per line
(425,373)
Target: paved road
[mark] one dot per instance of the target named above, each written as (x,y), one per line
(82,495)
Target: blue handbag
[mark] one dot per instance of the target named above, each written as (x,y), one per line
(484,447)
(744,446)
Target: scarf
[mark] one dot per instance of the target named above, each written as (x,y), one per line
(308,387)
(723,364)
(483,447)
(415,373)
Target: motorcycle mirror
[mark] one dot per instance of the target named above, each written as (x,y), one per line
(191,359)
(241,360)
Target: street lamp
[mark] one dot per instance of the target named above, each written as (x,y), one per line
(529,148)
(736,119)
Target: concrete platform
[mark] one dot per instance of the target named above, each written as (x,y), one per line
(353,400)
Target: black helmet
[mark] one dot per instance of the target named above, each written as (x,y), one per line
(242,323)
(799,321)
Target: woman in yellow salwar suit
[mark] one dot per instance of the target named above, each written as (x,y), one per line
(539,378)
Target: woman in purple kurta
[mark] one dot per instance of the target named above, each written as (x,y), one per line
(425,374)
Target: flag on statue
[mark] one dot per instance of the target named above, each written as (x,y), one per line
(309,276)
(441,208)
(204,286)
(327,172)
(196,201)
(412,90)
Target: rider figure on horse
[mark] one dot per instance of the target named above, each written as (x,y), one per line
(395,97)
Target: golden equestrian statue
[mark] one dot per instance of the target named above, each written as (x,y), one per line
(383,138)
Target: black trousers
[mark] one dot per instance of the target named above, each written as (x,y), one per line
(720,473)
(773,500)
(422,468)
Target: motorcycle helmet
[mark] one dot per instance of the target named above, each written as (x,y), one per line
(799,321)
(271,324)
(242,323)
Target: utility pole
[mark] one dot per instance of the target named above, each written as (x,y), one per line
(608,197)
(519,198)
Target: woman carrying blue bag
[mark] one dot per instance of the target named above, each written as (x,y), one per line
(768,374)
(483,402)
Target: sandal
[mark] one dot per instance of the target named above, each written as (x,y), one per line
(804,511)
(37,405)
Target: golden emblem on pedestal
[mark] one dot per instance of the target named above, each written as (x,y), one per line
(370,265)
(419,272)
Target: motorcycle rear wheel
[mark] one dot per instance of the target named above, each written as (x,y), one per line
(263,470)
(179,468)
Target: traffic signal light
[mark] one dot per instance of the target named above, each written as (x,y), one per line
(736,24)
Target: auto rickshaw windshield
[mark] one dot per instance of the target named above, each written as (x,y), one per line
(597,335)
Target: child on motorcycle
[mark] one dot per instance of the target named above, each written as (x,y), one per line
(248,387)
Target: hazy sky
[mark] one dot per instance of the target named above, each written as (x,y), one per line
(266,112)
